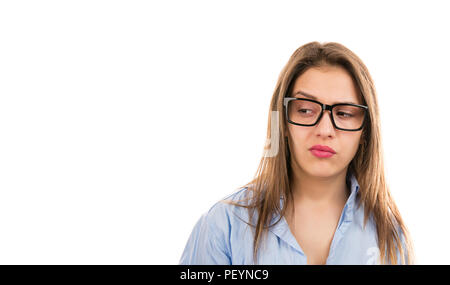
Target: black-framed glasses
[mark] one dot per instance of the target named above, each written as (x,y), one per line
(308,112)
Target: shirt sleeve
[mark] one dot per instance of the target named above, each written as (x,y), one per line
(207,244)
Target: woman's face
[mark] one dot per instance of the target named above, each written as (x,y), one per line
(329,85)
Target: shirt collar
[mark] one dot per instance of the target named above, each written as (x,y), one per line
(282,230)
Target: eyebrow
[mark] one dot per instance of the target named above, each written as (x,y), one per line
(299,92)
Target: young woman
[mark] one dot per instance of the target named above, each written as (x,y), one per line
(319,195)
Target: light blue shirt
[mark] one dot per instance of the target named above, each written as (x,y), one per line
(220,237)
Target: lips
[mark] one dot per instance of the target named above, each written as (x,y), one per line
(322,151)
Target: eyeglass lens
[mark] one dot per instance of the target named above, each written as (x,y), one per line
(307,112)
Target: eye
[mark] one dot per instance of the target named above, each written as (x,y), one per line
(345,115)
(305,111)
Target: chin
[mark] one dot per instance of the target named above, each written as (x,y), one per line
(323,174)
(320,170)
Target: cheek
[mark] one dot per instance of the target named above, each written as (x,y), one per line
(298,133)
(350,146)
(298,137)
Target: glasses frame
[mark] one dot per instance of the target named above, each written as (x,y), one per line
(324,108)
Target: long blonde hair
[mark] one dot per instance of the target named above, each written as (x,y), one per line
(272,178)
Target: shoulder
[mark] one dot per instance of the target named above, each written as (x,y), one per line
(223,212)
(209,242)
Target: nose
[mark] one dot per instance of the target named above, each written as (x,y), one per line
(325,126)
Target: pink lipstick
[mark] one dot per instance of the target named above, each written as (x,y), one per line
(322,151)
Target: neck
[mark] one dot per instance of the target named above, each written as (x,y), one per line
(331,190)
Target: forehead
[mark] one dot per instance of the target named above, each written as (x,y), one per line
(328,85)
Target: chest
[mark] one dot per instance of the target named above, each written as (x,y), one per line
(314,232)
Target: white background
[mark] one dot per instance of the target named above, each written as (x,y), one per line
(121,122)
